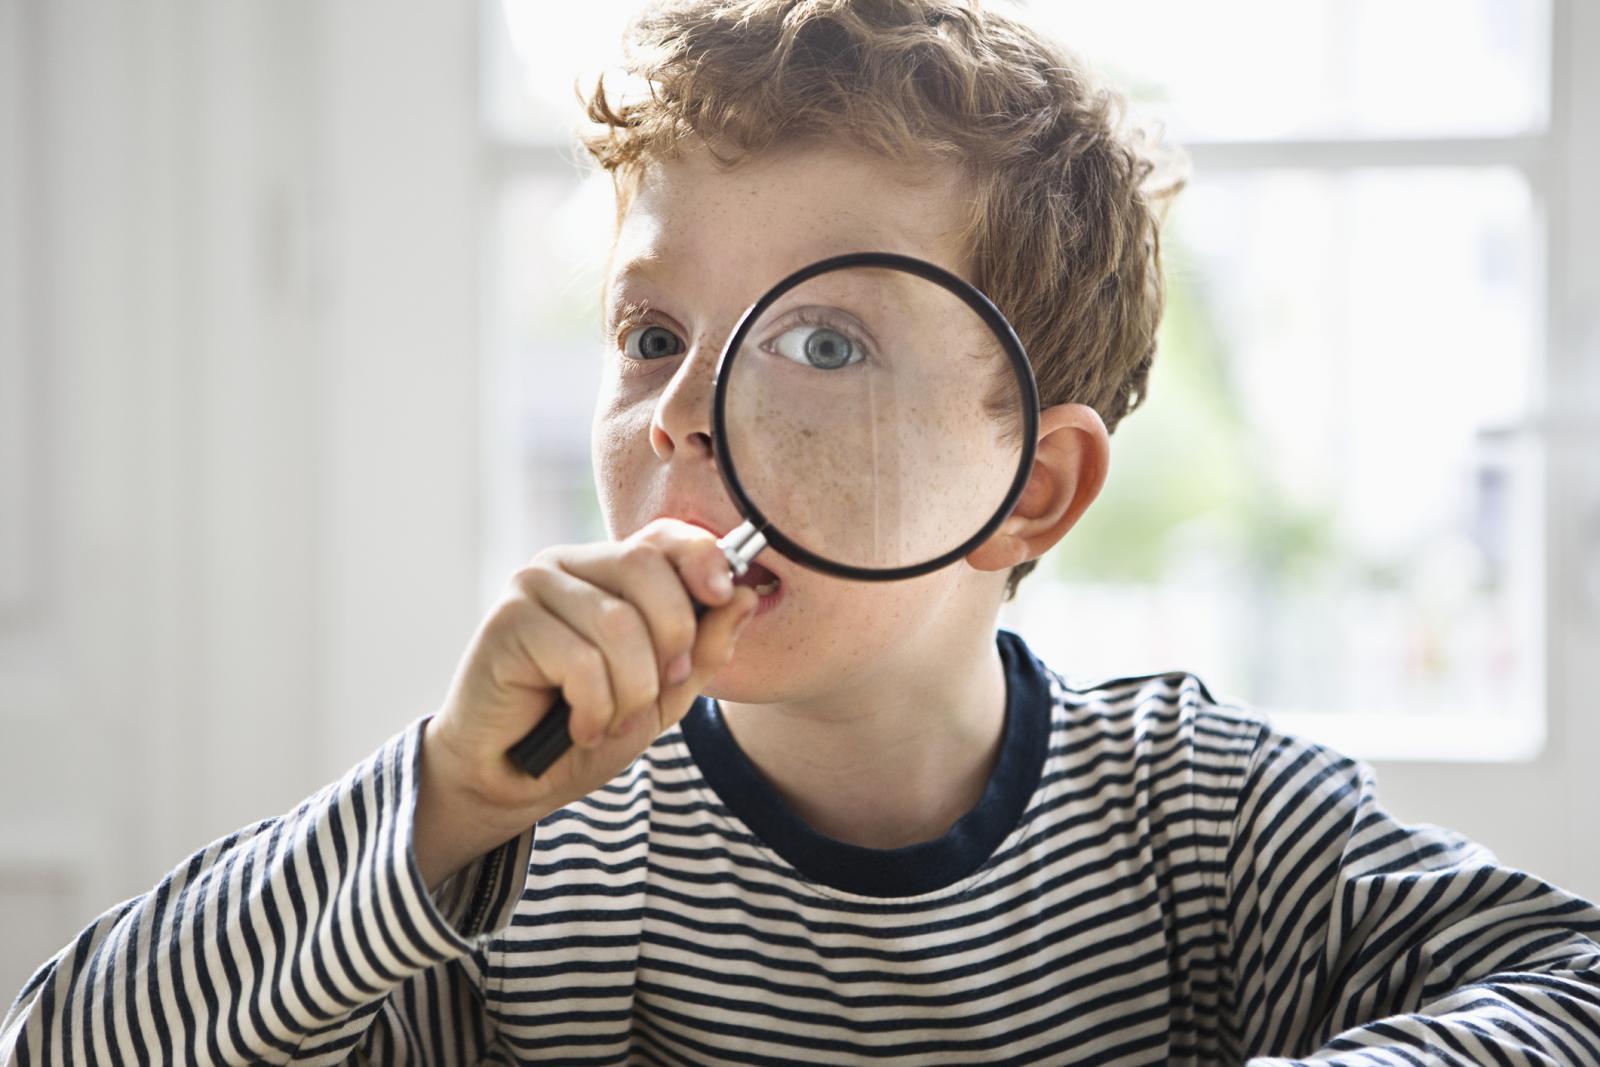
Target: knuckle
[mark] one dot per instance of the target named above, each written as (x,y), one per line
(657,527)
(640,686)
(526,581)
(678,631)
(587,673)
(639,558)
(550,555)
(617,620)
(510,611)
(634,707)
(586,664)
(649,689)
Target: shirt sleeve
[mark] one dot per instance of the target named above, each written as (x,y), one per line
(309,938)
(1357,940)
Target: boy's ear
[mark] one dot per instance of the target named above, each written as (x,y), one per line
(1069,468)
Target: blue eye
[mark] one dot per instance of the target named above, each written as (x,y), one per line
(652,342)
(817,346)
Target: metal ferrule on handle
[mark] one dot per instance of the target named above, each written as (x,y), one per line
(549,740)
(741,545)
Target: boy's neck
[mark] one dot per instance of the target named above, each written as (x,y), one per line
(892,762)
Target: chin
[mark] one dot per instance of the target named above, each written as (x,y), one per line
(745,686)
(758,679)
(758,676)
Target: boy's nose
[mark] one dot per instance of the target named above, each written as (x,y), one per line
(682,418)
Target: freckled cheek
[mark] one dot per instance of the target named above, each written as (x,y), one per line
(620,451)
(870,605)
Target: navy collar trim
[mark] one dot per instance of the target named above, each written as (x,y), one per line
(900,872)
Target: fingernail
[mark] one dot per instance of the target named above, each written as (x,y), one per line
(678,670)
(721,584)
(742,623)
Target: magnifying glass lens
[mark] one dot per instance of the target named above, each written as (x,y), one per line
(873,417)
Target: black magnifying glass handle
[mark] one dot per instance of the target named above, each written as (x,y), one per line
(550,739)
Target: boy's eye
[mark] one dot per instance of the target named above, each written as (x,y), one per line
(817,346)
(651,342)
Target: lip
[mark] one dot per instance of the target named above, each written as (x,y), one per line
(768,602)
(720,530)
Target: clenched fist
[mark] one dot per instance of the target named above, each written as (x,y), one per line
(609,626)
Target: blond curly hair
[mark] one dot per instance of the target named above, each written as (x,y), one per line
(1068,197)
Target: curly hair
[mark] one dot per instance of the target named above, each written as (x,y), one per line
(1068,197)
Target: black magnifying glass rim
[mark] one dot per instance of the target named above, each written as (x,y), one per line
(974,299)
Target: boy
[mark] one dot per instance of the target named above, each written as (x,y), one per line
(893,835)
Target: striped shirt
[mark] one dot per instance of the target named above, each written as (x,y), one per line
(1150,877)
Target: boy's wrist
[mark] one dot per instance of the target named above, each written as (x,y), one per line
(451,828)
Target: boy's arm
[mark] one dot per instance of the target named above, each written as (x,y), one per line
(1354,939)
(284,942)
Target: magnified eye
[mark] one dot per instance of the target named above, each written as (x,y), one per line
(818,346)
(652,342)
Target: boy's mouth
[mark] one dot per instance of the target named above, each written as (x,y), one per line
(757,577)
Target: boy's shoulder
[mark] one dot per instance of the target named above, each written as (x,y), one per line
(1172,696)
(1151,717)
(1172,723)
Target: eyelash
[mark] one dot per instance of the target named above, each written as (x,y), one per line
(633,317)
(805,317)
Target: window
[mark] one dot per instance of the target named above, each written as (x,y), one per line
(1321,508)
(1317,513)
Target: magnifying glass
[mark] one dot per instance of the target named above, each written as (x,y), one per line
(874,418)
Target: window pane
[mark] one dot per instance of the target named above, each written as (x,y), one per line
(1304,507)
(1260,69)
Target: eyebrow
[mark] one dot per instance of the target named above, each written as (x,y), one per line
(613,309)
(647,268)
(641,268)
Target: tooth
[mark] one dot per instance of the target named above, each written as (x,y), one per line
(767,588)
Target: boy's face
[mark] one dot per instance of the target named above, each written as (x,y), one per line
(696,247)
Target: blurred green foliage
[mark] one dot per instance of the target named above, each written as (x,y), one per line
(1188,458)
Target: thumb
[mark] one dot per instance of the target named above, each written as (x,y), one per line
(714,644)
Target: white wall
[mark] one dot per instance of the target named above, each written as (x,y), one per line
(246,364)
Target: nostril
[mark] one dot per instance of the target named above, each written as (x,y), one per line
(680,418)
(660,441)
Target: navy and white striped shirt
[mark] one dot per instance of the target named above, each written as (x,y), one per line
(1151,877)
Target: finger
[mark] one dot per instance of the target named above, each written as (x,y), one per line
(714,648)
(616,629)
(564,660)
(695,554)
(642,574)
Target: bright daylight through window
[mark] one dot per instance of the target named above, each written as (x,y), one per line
(1315,509)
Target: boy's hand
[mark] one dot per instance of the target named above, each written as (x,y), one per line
(611,626)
